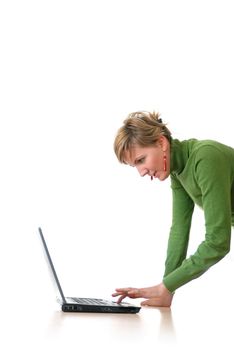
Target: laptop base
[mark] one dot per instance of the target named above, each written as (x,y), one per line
(100,309)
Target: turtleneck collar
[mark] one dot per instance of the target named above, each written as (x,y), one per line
(180,151)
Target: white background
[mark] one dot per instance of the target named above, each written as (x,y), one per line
(71,71)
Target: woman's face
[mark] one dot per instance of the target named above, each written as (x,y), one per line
(150,160)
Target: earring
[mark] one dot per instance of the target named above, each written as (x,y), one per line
(164,162)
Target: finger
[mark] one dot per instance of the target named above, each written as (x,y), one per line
(116,294)
(121,298)
(135,293)
(119,293)
(123,290)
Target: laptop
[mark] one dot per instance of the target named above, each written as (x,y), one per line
(73,304)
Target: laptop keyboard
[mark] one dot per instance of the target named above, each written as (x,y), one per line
(90,301)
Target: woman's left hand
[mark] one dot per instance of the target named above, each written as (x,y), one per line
(157,295)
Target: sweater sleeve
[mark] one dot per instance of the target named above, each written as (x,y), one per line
(182,210)
(212,174)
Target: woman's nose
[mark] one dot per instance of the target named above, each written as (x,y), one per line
(142,171)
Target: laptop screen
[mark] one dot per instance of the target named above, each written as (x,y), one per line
(51,266)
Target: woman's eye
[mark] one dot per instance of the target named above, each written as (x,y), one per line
(140,161)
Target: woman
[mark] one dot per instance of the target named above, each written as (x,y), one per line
(202,173)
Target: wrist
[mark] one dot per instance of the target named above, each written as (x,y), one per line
(165,289)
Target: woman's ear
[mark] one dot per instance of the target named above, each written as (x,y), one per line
(163,142)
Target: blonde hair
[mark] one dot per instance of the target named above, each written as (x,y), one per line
(141,129)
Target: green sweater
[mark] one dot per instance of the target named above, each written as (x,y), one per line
(202,173)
